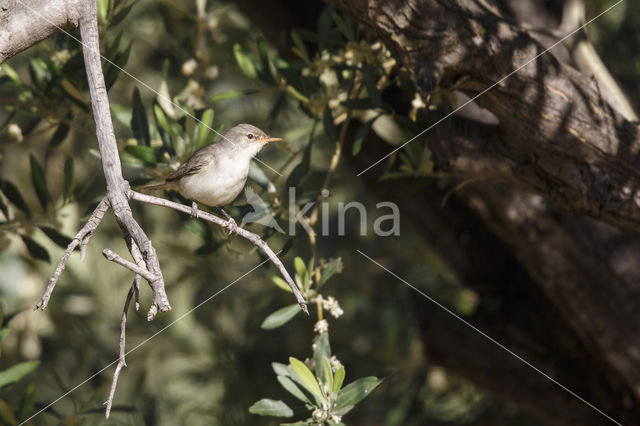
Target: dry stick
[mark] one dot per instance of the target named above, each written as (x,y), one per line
(250,236)
(123,333)
(81,237)
(115,257)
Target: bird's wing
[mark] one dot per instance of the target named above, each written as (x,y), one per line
(200,159)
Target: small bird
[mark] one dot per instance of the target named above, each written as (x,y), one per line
(217,173)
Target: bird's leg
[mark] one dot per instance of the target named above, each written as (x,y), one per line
(231,225)
(194,210)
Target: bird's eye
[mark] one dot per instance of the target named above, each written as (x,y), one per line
(250,136)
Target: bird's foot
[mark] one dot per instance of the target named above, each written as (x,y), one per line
(194,210)
(231,225)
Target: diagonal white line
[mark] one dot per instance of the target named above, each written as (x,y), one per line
(145,85)
(490,87)
(500,345)
(149,338)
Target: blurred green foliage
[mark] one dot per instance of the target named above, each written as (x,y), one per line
(209,69)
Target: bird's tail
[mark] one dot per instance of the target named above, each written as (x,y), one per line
(156,186)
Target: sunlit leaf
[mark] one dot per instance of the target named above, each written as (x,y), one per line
(203,134)
(280,317)
(270,407)
(338,379)
(17,372)
(306,377)
(145,153)
(244,61)
(281,283)
(293,389)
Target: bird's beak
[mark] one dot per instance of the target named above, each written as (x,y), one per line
(269,139)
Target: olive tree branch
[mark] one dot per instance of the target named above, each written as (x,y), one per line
(250,236)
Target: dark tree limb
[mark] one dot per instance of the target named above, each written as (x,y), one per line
(556,127)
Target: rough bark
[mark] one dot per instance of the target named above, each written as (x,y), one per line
(23,23)
(564,140)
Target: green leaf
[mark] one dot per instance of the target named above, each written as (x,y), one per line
(3,333)
(361,134)
(280,369)
(139,122)
(338,379)
(68,177)
(17,372)
(281,283)
(122,13)
(263,52)
(230,94)
(280,317)
(302,168)
(355,391)
(59,135)
(346,30)
(5,209)
(55,236)
(270,407)
(335,265)
(39,182)
(301,268)
(164,128)
(11,73)
(103,9)
(293,389)
(329,127)
(322,349)
(306,378)
(300,48)
(145,153)
(35,250)
(203,134)
(369,78)
(11,192)
(244,62)
(326,374)
(26,407)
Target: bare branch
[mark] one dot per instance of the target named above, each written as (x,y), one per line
(23,24)
(115,257)
(121,359)
(82,236)
(250,236)
(116,185)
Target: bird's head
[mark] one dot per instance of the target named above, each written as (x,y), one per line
(248,138)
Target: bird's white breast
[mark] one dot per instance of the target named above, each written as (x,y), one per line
(218,183)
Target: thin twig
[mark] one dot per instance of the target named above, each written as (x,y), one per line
(121,359)
(82,236)
(115,257)
(250,236)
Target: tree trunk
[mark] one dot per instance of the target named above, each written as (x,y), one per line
(558,288)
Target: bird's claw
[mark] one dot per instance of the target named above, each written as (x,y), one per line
(231,226)
(194,210)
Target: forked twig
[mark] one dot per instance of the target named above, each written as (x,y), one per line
(250,236)
(82,237)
